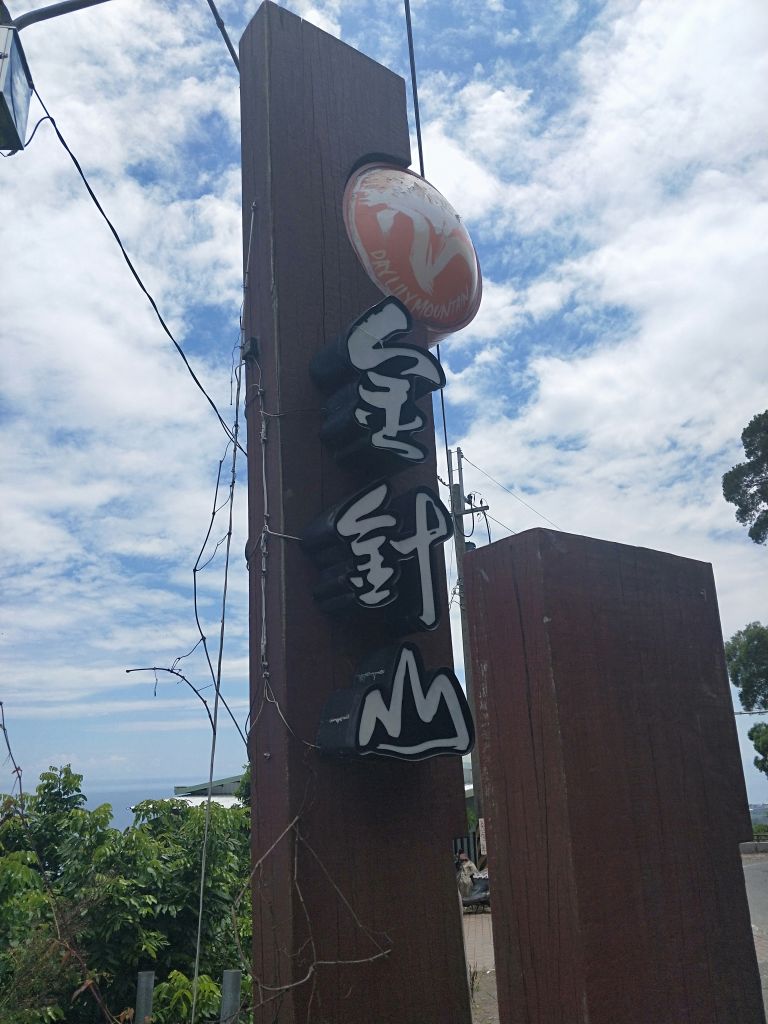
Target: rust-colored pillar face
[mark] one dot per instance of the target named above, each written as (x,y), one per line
(353,860)
(614,792)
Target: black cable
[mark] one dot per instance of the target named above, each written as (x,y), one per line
(13,152)
(508,528)
(417,119)
(466,535)
(487,525)
(480,502)
(445,421)
(46,118)
(412,58)
(133,270)
(515,496)
(223,30)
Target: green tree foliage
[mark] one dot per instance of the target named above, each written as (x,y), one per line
(747,656)
(84,907)
(173,999)
(243,793)
(746,485)
(759,736)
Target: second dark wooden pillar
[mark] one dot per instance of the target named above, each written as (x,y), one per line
(615,800)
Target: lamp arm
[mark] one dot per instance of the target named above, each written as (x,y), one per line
(51,11)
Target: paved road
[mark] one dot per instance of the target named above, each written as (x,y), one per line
(756,876)
(478,945)
(478,941)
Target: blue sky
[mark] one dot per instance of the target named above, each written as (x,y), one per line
(609,160)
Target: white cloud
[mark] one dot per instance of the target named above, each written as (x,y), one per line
(647,193)
(507,38)
(459,174)
(616,189)
(500,312)
(545,297)
(323,15)
(109,451)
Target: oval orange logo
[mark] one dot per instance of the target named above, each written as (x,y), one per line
(413,246)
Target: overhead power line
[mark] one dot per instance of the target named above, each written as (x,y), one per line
(512,493)
(136,276)
(417,120)
(412,58)
(493,519)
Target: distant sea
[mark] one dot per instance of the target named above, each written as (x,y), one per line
(122,798)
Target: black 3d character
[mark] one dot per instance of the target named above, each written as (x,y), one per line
(373,380)
(375,553)
(395,709)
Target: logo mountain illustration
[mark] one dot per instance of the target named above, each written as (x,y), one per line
(414,246)
(431,251)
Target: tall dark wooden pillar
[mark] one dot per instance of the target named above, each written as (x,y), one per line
(352,859)
(614,792)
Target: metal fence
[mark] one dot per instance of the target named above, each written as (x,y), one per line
(230,997)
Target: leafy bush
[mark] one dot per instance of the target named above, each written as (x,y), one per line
(84,907)
(172,1001)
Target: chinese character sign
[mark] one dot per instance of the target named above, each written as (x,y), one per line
(394,708)
(373,379)
(376,552)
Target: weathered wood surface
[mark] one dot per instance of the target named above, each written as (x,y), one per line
(614,791)
(313,108)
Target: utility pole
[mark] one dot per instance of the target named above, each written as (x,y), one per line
(458,512)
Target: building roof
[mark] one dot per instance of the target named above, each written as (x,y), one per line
(219,787)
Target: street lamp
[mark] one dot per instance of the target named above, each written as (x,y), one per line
(15,78)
